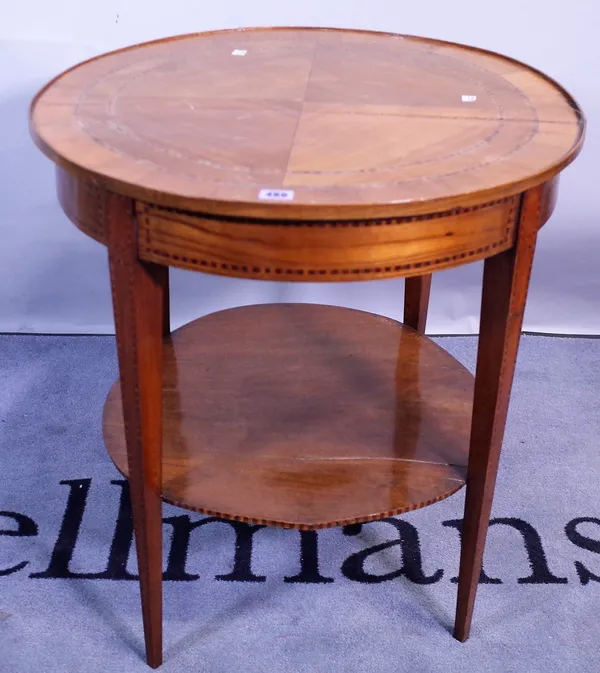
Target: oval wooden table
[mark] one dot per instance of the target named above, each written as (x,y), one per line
(307,155)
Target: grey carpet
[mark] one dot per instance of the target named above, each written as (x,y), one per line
(538,609)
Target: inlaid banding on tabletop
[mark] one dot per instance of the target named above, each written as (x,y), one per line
(368,127)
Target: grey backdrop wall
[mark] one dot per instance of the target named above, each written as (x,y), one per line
(53,279)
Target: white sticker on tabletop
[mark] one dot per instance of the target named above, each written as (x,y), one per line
(469,99)
(276,195)
(239,52)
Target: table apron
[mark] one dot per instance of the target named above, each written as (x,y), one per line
(307,250)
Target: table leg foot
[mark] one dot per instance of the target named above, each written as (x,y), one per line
(138,303)
(505,286)
(460,635)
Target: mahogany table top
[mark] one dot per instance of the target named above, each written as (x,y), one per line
(300,123)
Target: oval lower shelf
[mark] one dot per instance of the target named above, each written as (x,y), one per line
(306,416)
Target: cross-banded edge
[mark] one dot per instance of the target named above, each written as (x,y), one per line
(294,525)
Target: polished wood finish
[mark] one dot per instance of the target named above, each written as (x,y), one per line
(548,199)
(402,156)
(317,416)
(84,203)
(416,301)
(301,250)
(138,296)
(162,276)
(357,124)
(194,241)
(505,284)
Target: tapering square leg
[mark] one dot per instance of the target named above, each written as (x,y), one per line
(139,291)
(416,301)
(505,286)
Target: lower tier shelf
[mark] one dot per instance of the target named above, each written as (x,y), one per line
(306,416)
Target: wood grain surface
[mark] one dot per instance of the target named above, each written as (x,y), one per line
(355,124)
(307,155)
(417,291)
(306,416)
(326,251)
(505,287)
(138,291)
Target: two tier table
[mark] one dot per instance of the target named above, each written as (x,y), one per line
(307,155)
